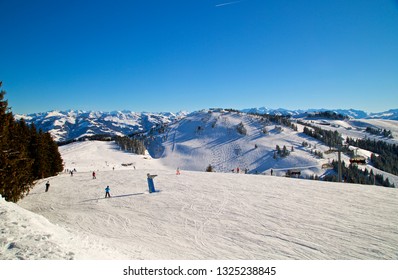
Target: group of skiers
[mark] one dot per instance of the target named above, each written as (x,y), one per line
(237,170)
(71,171)
(151,185)
(107,189)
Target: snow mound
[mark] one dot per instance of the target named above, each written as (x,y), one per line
(28,236)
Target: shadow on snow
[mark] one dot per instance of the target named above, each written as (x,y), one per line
(116,196)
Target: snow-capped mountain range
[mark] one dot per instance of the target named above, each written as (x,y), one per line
(352,113)
(68,125)
(72,124)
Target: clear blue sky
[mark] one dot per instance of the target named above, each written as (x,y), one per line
(172,55)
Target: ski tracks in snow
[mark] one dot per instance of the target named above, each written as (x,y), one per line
(200,215)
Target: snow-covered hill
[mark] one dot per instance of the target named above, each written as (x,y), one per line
(195,215)
(68,125)
(212,138)
(352,113)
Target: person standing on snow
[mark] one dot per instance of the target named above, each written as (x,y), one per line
(107,192)
(94,175)
(47,186)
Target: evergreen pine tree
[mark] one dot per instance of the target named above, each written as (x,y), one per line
(15,164)
(25,155)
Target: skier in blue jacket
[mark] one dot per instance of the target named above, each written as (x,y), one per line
(107,190)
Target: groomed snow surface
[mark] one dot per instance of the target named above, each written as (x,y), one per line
(193,216)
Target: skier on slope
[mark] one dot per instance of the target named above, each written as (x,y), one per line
(107,192)
(47,186)
(94,175)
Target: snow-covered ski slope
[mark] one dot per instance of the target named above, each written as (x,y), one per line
(195,215)
(211,137)
(26,235)
(355,128)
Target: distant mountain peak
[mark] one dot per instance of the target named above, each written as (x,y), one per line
(72,124)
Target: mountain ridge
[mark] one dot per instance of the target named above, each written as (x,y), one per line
(73,124)
(391,114)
